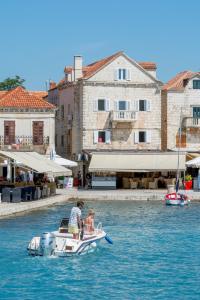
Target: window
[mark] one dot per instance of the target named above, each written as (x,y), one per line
(196,84)
(62,112)
(68,109)
(142,105)
(62,140)
(101,105)
(102,136)
(196,112)
(38,132)
(142,136)
(122,74)
(9,132)
(56,138)
(121,105)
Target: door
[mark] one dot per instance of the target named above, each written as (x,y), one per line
(9,132)
(38,132)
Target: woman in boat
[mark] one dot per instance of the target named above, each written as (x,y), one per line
(89,222)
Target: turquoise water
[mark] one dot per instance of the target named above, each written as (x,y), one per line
(156,255)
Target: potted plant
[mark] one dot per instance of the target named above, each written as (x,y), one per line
(188,182)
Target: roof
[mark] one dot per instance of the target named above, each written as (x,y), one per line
(40,94)
(94,67)
(2,93)
(177,83)
(19,97)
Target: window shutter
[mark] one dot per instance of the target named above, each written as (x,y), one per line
(128,74)
(148,136)
(136,137)
(96,136)
(116,74)
(116,105)
(127,105)
(107,105)
(95,105)
(148,105)
(108,135)
(136,105)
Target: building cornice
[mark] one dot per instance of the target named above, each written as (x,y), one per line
(122,84)
(26,110)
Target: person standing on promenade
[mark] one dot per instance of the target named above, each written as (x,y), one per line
(79,179)
(75,223)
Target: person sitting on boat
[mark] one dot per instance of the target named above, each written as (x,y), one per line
(75,223)
(89,222)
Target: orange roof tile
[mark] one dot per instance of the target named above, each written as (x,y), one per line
(19,97)
(91,69)
(148,65)
(177,82)
(2,93)
(40,94)
(94,67)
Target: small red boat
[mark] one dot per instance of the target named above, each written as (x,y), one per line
(176,199)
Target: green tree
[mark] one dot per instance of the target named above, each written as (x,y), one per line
(11,83)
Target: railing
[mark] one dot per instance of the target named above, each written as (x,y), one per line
(123,116)
(191,122)
(23,142)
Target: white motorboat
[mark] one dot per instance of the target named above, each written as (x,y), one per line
(61,243)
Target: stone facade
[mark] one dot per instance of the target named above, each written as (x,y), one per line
(133,126)
(178,108)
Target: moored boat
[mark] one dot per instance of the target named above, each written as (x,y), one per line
(176,199)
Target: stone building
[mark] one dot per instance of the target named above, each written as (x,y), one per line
(111,105)
(114,104)
(27,121)
(181,112)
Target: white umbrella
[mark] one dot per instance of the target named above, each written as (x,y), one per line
(194,163)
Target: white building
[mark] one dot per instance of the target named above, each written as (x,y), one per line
(181,112)
(27,121)
(113,104)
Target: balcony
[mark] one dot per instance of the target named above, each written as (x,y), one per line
(189,122)
(122,116)
(25,143)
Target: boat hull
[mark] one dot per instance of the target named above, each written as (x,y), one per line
(176,199)
(65,245)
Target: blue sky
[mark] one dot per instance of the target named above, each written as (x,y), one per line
(40,37)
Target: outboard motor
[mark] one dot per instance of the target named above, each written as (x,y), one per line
(47,244)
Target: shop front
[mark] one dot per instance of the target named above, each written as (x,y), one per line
(148,170)
(29,176)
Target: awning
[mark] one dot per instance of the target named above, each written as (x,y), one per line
(136,162)
(63,161)
(37,162)
(190,156)
(194,163)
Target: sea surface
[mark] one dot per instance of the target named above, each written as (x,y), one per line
(155,255)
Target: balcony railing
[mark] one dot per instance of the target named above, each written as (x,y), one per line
(191,122)
(123,116)
(24,143)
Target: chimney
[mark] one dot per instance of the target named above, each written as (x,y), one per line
(52,85)
(78,67)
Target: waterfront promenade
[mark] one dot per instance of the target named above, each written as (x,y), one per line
(66,195)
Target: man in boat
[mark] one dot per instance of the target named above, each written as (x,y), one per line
(75,223)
